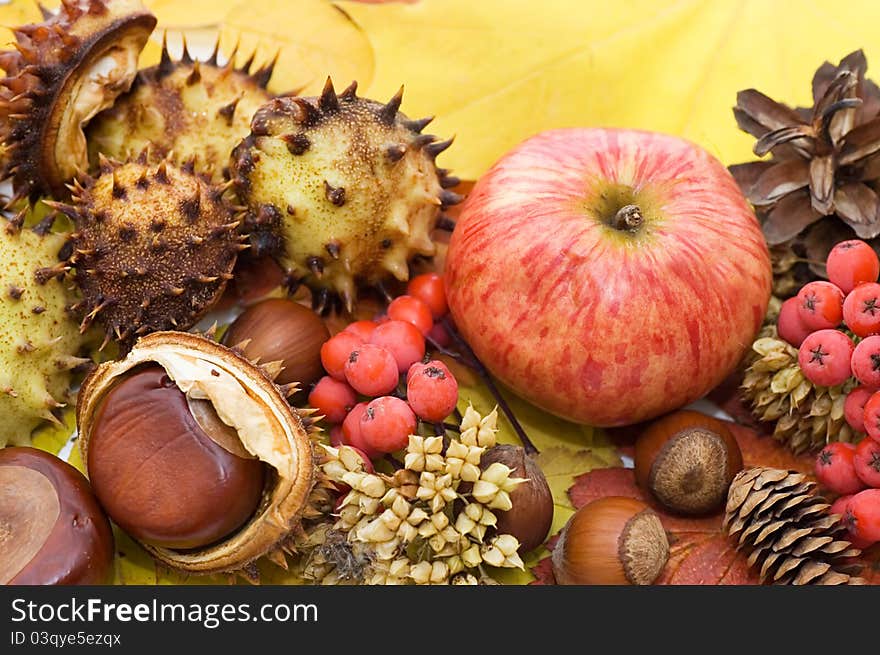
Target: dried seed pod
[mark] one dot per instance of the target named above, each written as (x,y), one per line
(39,341)
(244,398)
(531,515)
(342,190)
(612,540)
(159,267)
(687,460)
(62,72)
(53,530)
(280,330)
(198,110)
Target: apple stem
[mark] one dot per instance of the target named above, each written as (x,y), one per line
(628,218)
(483,372)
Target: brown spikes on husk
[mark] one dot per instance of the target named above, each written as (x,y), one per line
(42,104)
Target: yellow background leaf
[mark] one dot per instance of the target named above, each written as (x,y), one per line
(495,71)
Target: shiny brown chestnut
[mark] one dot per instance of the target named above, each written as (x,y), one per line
(165,467)
(531,515)
(687,461)
(52,530)
(282,330)
(611,541)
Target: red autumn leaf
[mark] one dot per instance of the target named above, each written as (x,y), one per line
(700,553)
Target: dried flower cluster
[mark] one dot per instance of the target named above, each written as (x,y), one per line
(430,522)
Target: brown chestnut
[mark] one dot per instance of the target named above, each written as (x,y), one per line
(611,541)
(282,330)
(687,461)
(530,517)
(52,530)
(165,467)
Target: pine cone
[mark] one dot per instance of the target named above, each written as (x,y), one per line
(786,525)
(824,163)
(806,416)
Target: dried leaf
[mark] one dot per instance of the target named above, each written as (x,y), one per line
(561,465)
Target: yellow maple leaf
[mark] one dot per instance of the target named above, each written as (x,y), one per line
(495,72)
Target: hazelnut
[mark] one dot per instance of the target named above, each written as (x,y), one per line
(165,467)
(52,530)
(611,541)
(530,517)
(687,460)
(282,330)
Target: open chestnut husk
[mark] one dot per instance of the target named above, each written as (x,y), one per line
(611,541)
(232,427)
(686,461)
(531,514)
(52,530)
(281,330)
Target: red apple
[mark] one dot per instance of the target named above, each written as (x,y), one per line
(608,276)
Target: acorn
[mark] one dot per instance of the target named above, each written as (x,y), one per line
(611,541)
(280,330)
(686,461)
(196,453)
(52,530)
(531,515)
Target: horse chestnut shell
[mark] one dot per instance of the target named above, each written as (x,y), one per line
(282,330)
(52,530)
(164,466)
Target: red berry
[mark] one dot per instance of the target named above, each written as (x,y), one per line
(839,506)
(866,361)
(861,309)
(371,370)
(820,305)
(851,263)
(336,351)
(402,340)
(337,436)
(789,324)
(415,368)
(867,462)
(863,515)
(364,329)
(332,398)
(428,288)
(439,335)
(872,416)
(854,407)
(351,430)
(835,468)
(824,358)
(432,391)
(412,310)
(387,423)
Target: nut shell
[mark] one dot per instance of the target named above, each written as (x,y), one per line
(243,396)
(55,532)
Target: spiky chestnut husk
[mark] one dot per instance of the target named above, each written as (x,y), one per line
(195,109)
(153,247)
(245,397)
(39,342)
(342,190)
(61,73)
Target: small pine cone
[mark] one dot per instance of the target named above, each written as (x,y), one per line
(786,525)
(494,487)
(501,551)
(463,461)
(424,454)
(478,430)
(806,416)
